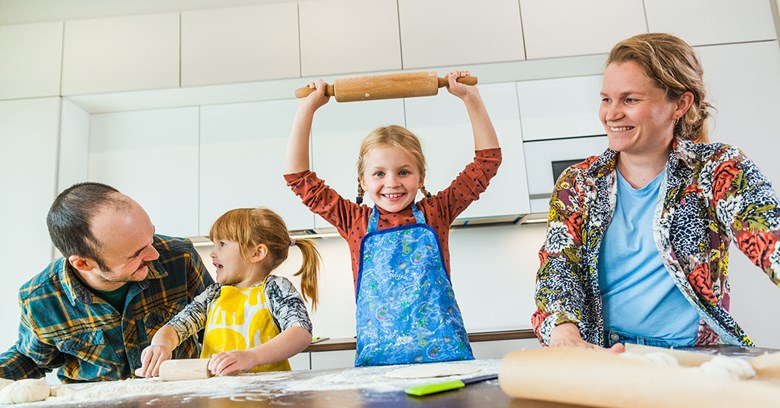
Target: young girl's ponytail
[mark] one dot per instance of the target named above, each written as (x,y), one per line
(309,269)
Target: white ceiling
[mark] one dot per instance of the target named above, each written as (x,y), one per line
(32,11)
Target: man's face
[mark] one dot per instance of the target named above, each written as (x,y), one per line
(126,236)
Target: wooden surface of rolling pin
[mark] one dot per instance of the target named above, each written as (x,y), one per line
(602,379)
(186,369)
(391,86)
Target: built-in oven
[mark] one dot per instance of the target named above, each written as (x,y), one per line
(545,160)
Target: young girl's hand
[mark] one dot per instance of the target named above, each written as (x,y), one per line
(232,362)
(151,358)
(458,89)
(317,98)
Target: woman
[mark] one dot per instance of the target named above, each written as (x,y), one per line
(637,240)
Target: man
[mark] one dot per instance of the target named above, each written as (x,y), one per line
(94,310)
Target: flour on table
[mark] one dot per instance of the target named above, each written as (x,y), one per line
(433,370)
(215,386)
(27,390)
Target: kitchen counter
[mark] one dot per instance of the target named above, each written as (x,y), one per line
(283,393)
(363,387)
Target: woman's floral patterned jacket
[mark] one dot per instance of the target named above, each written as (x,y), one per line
(712,195)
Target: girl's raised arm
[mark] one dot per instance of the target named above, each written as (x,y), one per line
(484,133)
(298,145)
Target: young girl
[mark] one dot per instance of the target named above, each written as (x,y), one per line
(253,320)
(406,310)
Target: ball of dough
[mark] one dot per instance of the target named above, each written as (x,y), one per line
(27,390)
(728,367)
(4,383)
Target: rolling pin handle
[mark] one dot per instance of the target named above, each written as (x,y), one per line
(466,80)
(306,91)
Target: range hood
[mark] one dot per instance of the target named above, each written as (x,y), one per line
(460,223)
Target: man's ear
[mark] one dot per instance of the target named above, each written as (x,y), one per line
(81,264)
(260,253)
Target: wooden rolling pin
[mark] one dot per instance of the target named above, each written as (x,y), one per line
(405,85)
(186,369)
(600,378)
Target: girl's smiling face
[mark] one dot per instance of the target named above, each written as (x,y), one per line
(391,178)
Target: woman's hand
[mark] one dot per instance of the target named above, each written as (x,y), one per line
(568,335)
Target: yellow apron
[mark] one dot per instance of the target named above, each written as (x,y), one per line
(240,320)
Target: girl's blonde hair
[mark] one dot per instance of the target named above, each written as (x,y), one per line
(674,67)
(392,136)
(250,227)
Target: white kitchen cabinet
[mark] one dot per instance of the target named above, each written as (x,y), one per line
(337,132)
(28,174)
(701,22)
(743,81)
(546,159)
(242,161)
(497,349)
(239,44)
(32,56)
(300,361)
(152,156)
(561,127)
(121,54)
(74,146)
(443,126)
(557,28)
(346,36)
(332,359)
(457,32)
(493,271)
(560,108)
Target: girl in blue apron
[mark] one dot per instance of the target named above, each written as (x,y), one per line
(406,309)
(252,320)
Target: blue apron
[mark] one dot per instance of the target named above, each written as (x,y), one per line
(406,308)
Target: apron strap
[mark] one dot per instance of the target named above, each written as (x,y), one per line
(373,220)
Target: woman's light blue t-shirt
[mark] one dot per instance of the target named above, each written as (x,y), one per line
(639,296)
